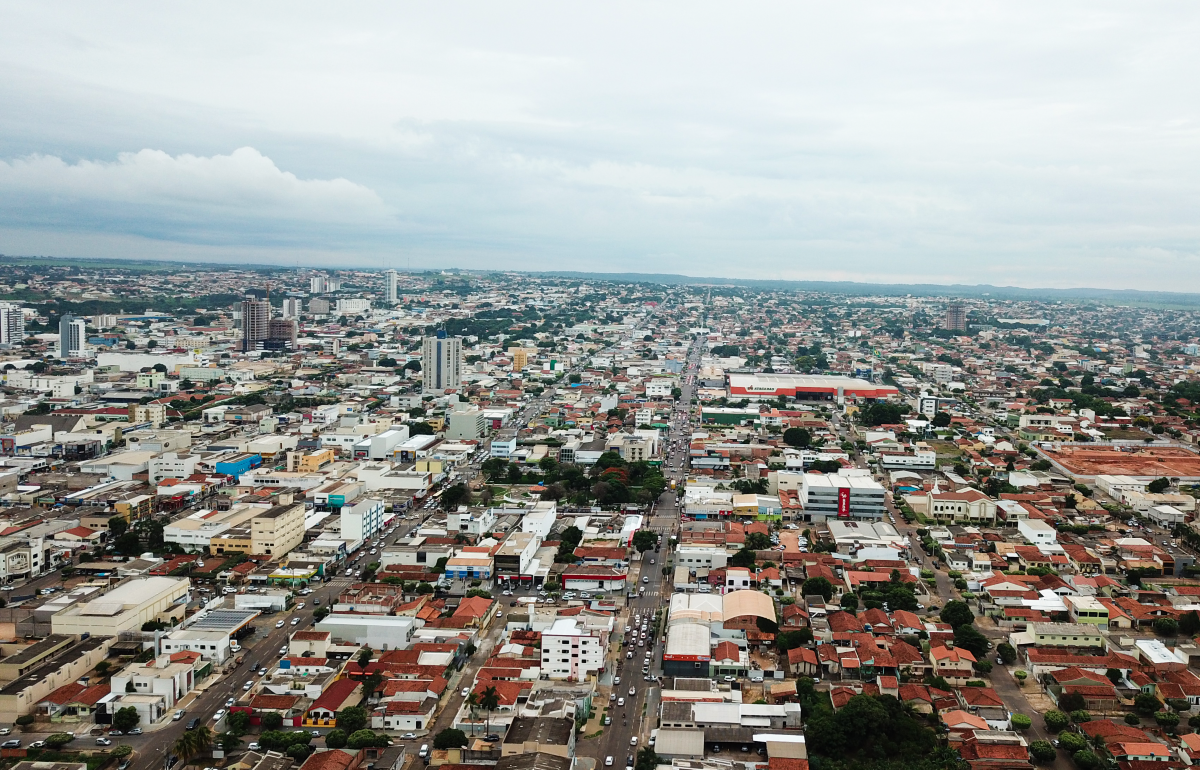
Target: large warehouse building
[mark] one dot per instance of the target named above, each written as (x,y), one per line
(808,386)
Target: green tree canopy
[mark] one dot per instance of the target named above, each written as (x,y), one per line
(126,718)
(450,738)
(956,613)
(645,540)
(817,586)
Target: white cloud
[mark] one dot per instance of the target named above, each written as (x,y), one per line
(1011,142)
(244,184)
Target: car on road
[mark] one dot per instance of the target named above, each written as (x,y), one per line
(279,624)
(135,731)
(315,733)
(253,746)
(620,701)
(632,691)
(633,741)
(177,715)
(115,732)
(295,621)
(37,744)
(408,736)
(608,761)
(217,716)
(466,691)
(13,743)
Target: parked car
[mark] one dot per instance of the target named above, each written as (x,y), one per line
(11,744)
(102,741)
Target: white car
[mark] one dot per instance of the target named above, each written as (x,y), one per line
(632,691)
(295,621)
(633,741)
(466,691)
(279,624)
(608,761)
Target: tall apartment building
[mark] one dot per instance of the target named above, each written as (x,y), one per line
(520,357)
(291,307)
(256,317)
(956,316)
(391,281)
(72,336)
(281,334)
(323,284)
(12,324)
(318,306)
(441,362)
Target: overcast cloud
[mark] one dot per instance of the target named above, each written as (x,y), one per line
(1027,144)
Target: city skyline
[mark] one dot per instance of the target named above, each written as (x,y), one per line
(1005,145)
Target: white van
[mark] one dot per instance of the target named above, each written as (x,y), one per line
(424,752)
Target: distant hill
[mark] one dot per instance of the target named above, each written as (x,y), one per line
(1109,296)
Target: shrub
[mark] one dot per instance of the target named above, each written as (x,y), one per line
(1166,718)
(1134,719)
(58,740)
(1079,716)
(1086,760)
(1021,722)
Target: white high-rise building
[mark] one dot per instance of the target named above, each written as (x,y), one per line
(72,337)
(12,324)
(441,362)
(392,281)
(291,307)
(322,284)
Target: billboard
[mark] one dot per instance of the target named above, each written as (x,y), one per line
(843,502)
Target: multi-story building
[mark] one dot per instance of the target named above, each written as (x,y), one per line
(570,651)
(441,362)
(391,282)
(322,284)
(256,316)
(12,324)
(72,337)
(515,555)
(466,422)
(318,306)
(361,520)
(278,530)
(353,305)
(956,317)
(830,496)
(291,307)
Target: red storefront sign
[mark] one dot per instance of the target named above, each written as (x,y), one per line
(843,502)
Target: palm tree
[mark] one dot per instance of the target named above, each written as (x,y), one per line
(490,700)
(193,743)
(473,704)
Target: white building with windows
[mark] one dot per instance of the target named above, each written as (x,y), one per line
(361,520)
(571,652)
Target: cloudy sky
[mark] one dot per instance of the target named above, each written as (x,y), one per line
(1011,143)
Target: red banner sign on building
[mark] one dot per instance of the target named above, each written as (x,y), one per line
(843,502)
